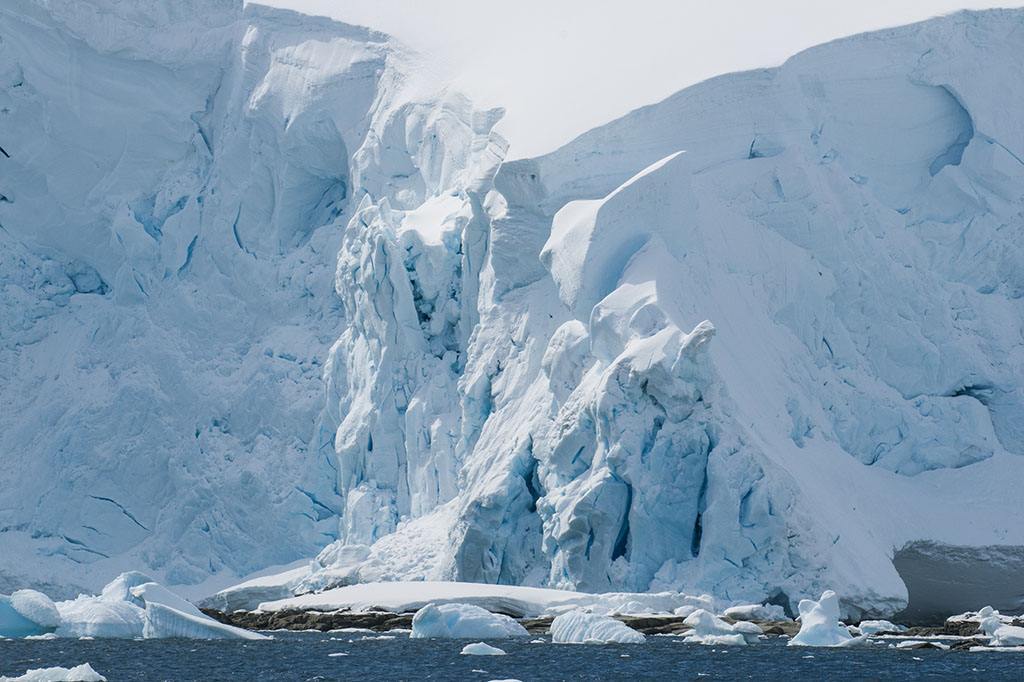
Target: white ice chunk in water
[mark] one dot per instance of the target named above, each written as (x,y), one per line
(27,612)
(578,627)
(463,621)
(874,627)
(163,621)
(481,649)
(819,623)
(1001,633)
(756,612)
(80,673)
(710,629)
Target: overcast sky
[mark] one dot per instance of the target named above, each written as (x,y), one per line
(561,67)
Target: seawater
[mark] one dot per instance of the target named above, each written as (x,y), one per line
(307,657)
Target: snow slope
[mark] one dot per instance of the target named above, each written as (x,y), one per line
(178,182)
(748,341)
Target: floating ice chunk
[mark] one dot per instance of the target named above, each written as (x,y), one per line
(27,612)
(461,621)
(819,623)
(1001,633)
(709,629)
(921,644)
(578,627)
(100,617)
(874,627)
(80,673)
(163,621)
(481,649)
(756,612)
(37,607)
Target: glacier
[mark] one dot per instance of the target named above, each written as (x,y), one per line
(268,287)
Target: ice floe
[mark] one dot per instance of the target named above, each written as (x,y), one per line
(819,623)
(481,649)
(79,673)
(579,627)
(463,621)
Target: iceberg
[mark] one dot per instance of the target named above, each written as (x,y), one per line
(875,627)
(481,649)
(463,621)
(27,613)
(162,621)
(819,624)
(1001,634)
(579,627)
(79,673)
(756,612)
(130,606)
(710,629)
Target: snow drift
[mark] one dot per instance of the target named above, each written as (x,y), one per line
(748,341)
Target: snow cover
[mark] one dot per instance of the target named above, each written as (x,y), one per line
(580,627)
(743,342)
(481,649)
(463,621)
(516,600)
(819,623)
(710,629)
(980,616)
(79,673)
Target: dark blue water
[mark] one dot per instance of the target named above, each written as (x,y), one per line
(305,656)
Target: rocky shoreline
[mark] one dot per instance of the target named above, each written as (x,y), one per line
(382,621)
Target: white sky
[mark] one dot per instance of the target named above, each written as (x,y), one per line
(561,67)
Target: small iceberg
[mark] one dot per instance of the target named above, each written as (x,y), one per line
(27,613)
(820,626)
(879,627)
(80,673)
(130,606)
(756,612)
(710,629)
(1001,634)
(578,627)
(481,649)
(463,621)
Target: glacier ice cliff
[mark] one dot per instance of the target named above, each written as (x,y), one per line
(267,288)
(175,185)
